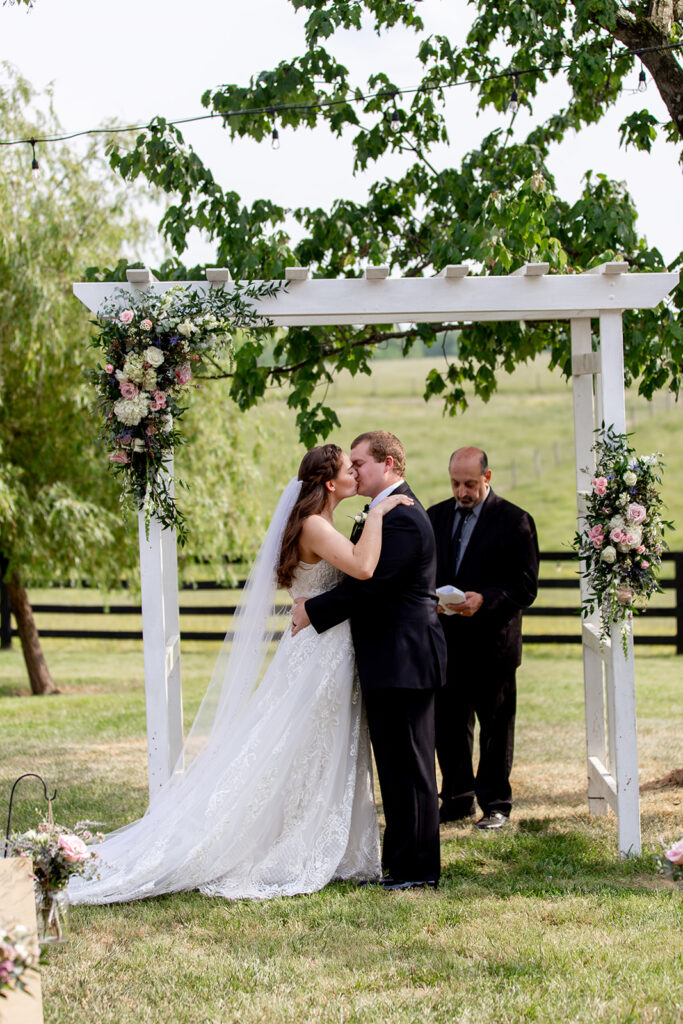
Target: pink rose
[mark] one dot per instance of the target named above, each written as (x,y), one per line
(644,564)
(128,389)
(636,513)
(109,368)
(616,536)
(126,316)
(151,430)
(158,401)
(597,542)
(120,457)
(629,538)
(183,373)
(146,325)
(599,484)
(595,531)
(675,854)
(640,549)
(73,849)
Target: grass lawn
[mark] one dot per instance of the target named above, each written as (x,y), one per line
(541,922)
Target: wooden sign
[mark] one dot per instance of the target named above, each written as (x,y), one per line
(18,906)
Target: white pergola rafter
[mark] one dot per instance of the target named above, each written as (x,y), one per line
(529,293)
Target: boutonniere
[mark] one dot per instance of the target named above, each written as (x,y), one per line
(359,518)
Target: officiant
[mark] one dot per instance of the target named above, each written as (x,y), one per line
(487,548)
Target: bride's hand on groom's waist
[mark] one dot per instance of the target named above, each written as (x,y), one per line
(299,617)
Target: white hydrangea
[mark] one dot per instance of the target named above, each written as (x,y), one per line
(132,368)
(131,410)
(149,379)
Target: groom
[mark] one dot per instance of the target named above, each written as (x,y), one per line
(401,656)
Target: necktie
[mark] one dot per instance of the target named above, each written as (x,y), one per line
(462,515)
(358,527)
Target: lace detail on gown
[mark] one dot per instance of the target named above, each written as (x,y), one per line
(280,805)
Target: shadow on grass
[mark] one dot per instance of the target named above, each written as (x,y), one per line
(536,858)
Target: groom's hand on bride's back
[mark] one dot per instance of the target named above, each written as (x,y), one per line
(299,617)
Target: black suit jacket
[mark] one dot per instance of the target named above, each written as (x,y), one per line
(501,563)
(396,633)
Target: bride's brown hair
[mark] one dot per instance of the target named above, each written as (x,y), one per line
(317,467)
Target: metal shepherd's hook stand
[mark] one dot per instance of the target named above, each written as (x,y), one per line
(49,799)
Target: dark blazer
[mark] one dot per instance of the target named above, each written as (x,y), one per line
(396,633)
(500,562)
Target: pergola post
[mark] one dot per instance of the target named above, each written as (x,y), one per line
(161,649)
(530,293)
(609,675)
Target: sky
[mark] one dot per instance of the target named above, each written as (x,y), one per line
(135,59)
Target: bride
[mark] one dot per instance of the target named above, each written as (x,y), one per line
(273,792)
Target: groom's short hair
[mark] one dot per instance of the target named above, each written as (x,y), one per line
(380,444)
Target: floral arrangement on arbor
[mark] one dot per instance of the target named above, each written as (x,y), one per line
(155,347)
(18,954)
(57,853)
(621,543)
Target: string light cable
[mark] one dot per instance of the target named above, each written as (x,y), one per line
(391,94)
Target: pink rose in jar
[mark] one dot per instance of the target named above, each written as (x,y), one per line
(128,389)
(109,368)
(73,849)
(126,316)
(599,485)
(636,513)
(675,854)
(121,457)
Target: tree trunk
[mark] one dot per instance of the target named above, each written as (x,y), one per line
(663,65)
(36,666)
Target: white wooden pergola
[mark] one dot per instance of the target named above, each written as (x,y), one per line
(530,293)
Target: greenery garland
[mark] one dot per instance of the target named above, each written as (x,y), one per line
(154,345)
(621,542)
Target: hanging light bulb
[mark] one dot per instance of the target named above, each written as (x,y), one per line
(35,166)
(513,105)
(642,79)
(395,121)
(275,139)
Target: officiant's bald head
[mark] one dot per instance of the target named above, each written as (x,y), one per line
(468,468)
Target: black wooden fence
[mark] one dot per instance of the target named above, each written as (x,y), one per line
(568,612)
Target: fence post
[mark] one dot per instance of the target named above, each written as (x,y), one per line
(5,611)
(678,578)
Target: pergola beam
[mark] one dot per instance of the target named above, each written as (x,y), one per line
(388,300)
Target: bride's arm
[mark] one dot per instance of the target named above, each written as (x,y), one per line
(357,560)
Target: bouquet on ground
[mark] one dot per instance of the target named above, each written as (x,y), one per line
(57,854)
(621,543)
(671,863)
(18,955)
(155,347)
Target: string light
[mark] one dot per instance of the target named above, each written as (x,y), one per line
(642,79)
(35,166)
(395,123)
(275,139)
(513,105)
(328,103)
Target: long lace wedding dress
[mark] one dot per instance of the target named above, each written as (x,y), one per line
(278,800)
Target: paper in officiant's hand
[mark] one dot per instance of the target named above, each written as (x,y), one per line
(449,595)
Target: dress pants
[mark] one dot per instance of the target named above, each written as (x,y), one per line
(401,723)
(491,695)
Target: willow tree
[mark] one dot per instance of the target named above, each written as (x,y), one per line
(497,209)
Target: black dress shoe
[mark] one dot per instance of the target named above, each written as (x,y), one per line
(447,813)
(394,885)
(492,820)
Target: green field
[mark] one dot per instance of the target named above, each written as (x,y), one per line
(541,922)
